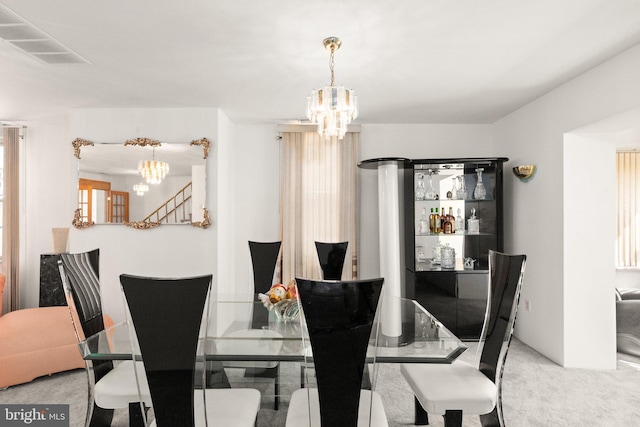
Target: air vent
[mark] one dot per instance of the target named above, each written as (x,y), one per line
(8,17)
(60,58)
(40,46)
(34,42)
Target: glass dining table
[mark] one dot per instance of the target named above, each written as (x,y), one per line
(404,332)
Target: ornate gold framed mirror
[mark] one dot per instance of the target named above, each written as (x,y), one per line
(142,183)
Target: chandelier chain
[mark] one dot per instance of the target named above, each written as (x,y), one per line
(331,65)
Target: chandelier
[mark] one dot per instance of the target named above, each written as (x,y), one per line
(140,189)
(153,171)
(332,107)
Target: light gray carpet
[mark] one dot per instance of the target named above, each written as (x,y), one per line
(537,392)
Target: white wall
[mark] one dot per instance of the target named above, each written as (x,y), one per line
(256,192)
(535,134)
(589,290)
(48,167)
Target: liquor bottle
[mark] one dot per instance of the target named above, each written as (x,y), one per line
(432,222)
(446,223)
(452,220)
(437,222)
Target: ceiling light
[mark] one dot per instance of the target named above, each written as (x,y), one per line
(332,107)
(140,189)
(153,171)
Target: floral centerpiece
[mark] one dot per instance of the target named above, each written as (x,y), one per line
(282,300)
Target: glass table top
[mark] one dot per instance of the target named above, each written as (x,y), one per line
(405,333)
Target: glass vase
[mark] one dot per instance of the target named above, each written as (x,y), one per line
(420,189)
(480,193)
(431,192)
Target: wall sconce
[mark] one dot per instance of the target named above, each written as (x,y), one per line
(524,172)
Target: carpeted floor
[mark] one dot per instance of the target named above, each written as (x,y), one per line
(536,392)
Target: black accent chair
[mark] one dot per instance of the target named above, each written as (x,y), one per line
(110,386)
(167,316)
(331,257)
(340,319)
(479,388)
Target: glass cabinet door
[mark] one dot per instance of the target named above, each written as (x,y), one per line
(451,189)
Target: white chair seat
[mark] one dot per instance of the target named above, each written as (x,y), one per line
(227,407)
(305,400)
(258,342)
(118,387)
(458,386)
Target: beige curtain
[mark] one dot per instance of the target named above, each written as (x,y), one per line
(318,201)
(11,218)
(628,182)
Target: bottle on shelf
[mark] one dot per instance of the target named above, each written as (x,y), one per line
(452,220)
(436,222)
(480,193)
(474,223)
(459,223)
(420,188)
(446,223)
(430,192)
(432,222)
(462,189)
(423,225)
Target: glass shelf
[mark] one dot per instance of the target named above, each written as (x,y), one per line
(465,234)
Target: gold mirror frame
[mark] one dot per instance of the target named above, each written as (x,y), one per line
(78,143)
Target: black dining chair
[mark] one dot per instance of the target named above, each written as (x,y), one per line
(264,257)
(460,388)
(111,386)
(167,317)
(331,257)
(340,320)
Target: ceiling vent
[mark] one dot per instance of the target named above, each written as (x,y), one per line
(33,41)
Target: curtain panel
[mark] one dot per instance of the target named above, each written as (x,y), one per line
(628,183)
(318,201)
(11,218)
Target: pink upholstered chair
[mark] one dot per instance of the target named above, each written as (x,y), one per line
(35,342)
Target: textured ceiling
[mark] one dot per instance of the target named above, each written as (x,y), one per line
(411,61)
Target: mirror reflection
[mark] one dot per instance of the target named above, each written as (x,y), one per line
(142,183)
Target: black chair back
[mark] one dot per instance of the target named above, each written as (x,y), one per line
(264,256)
(80,279)
(507,272)
(166,315)
(339,316)
(81,271)
(331,257)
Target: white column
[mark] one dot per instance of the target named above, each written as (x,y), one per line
(389,228)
